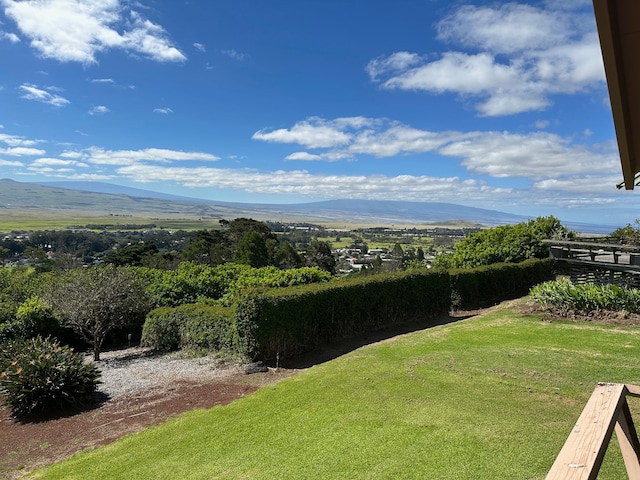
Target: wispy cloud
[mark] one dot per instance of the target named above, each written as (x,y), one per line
(163,110)
(99,110)
(234,54)
(200,47)
(56,162)
(21,151)
(10,163)
(17,140)
(76,30)
(11,37)
(97,155)
(32,92)
(103,80)
(517,58)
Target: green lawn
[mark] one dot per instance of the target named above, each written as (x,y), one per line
(490,397)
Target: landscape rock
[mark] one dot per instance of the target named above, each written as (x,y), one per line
(256,367)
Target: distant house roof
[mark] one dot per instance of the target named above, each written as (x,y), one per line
(619,31)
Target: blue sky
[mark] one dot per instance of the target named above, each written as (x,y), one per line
(499,105)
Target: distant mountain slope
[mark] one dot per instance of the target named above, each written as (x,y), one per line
(380,211)
(116,199)
(112,189)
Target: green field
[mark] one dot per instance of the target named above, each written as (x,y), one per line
(25,220)
(490,397)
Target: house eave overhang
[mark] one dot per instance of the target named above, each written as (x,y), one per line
(618,24)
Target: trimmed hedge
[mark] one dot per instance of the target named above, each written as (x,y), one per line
(484,286)
(191,326)
(293,320)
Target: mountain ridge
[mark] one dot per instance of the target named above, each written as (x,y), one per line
(118,199)
(387,210)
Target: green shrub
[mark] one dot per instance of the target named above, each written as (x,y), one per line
(192,326)
(505,244)
(30,319)
(161,330)
(585,298)
(487,285)
(40,375)
(191,282)
(37,318)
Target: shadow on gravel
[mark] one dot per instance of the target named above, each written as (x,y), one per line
(327,352)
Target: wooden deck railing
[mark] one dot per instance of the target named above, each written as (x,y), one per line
(604,252)
(583,452)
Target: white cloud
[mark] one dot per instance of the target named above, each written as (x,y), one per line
(508,28)
(32,92)
(100,156)
(12,37)
(99,110)
(10,163)
(300,182)
(17,141)
(303,156)
(21,151)
(56,162)
(399,139)
(398,62)
(76,30)
(71,154)
(331,156)
(103,80)
(525,55)
(200,47)
(312,133)
(541,124)
(536,156)
(595,184)
(164,110)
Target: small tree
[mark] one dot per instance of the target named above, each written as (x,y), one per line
(95,301)
(319,254)
(285,256)
(628,235)
(252,251)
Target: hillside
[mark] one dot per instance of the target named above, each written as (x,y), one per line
(354,211)
(104,200)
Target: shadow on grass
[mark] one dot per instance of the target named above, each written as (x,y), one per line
(330,351)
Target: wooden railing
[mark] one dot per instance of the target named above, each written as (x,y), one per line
(583,452)
(603,252)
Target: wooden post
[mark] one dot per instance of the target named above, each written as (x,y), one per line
(582,454)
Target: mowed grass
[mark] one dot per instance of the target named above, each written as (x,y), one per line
(491,397)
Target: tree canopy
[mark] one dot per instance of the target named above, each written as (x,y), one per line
(506,243)
(95,301)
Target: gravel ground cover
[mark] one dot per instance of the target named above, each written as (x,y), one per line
(138,390)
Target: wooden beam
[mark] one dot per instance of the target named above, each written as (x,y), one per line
(618,24)
(582,454)
(628,440)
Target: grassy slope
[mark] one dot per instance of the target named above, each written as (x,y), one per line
(492,397)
